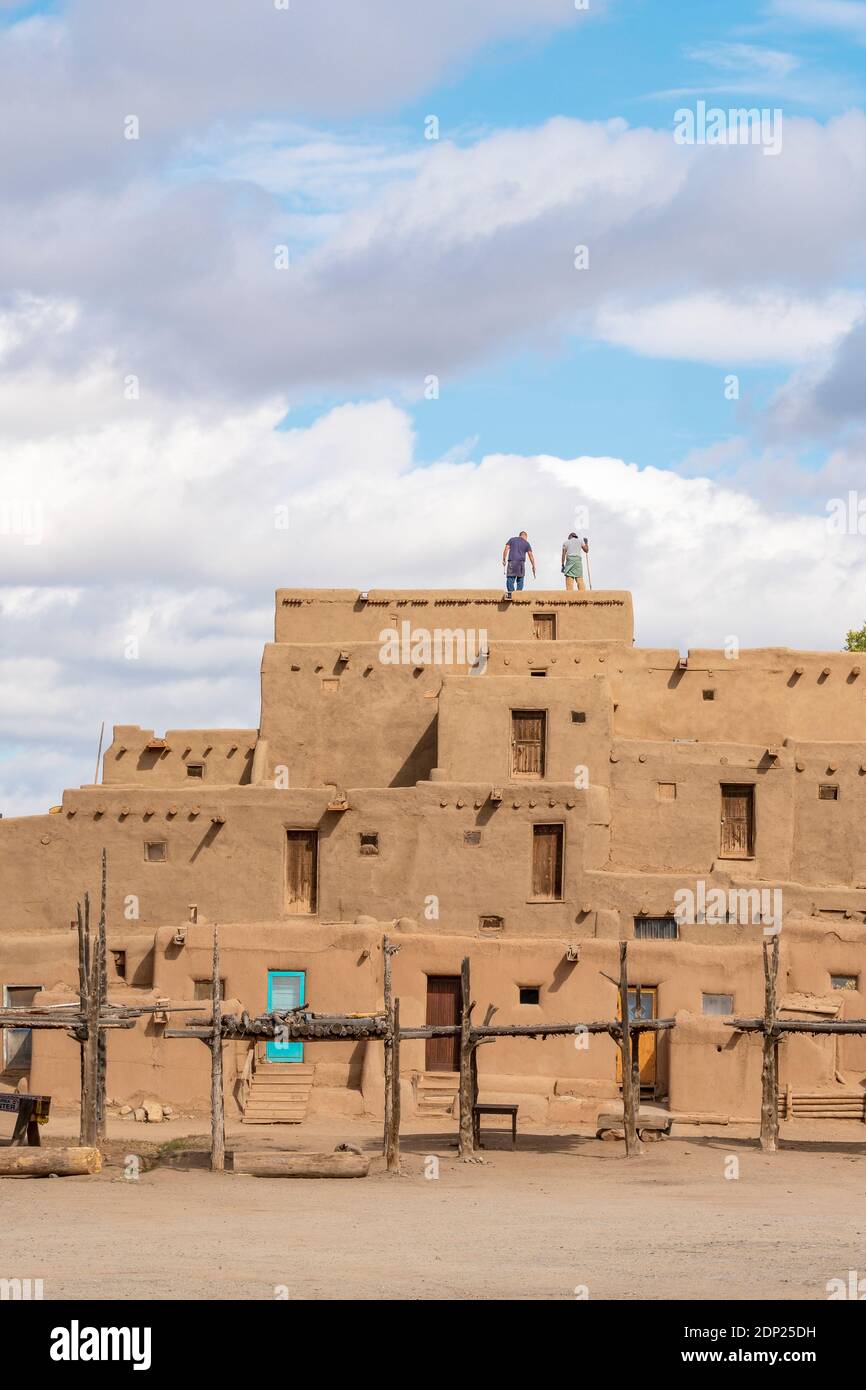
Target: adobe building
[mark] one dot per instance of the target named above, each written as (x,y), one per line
(511,780)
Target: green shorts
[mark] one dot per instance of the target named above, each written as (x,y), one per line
(574,567)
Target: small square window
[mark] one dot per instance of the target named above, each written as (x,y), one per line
(156,851)
(845,981)
(369,843)
(472,837)
(828,791)
(530,994)
(667,791)
(195,770)
(656,929)
(491,925)
(202,989)
(717,1004)
(578,716)
(709,694)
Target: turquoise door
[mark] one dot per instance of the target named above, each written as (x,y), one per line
(285,991)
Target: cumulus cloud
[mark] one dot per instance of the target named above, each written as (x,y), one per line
(176,533)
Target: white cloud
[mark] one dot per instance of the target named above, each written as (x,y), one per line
(839,16)
(165,531)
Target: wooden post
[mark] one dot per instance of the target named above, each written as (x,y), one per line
(632,1144)
(770,1063)
(102,997)
(466,1140)
(218,1119)
(392,1133)
(389,1045)
(88,1130)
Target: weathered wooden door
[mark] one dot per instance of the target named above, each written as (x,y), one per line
(301,871)
(527,743)
(738,822)
(443,1006)
(546,862)
(646,1048)
(545,626)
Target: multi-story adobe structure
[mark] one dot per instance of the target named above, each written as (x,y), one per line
(511,780)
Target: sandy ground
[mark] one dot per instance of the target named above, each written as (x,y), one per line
(562,1211)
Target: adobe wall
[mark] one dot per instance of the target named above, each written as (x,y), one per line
(138,755)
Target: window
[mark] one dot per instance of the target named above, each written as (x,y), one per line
(471,837)
(491,925)
(667,791)
(156,851)
(202,989)
(18,1042)
(709,694)
(578,716)
(738,822)
(527,742)
(828,791)
(547,863)
(656,929)
(545,626)
(538,673)
(717,1004)
(530,994)
(119,964)
(369,843)
(845,981)
(195,770)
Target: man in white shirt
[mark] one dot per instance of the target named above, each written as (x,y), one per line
(572,560)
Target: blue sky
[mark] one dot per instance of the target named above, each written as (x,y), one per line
(168,387)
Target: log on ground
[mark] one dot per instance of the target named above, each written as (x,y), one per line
(293,1165)
(42,1163)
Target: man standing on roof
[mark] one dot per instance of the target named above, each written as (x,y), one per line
(517,551)
(572,561)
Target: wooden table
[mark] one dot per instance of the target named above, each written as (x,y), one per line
(30,1112)
(479,1110)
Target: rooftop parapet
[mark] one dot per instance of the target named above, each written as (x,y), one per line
(334,615)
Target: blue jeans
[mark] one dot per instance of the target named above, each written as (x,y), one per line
(513,581)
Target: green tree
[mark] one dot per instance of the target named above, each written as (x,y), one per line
(855,640)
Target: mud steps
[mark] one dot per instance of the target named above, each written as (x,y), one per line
(436,1093)
(279,1094)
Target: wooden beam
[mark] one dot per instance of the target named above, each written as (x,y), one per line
(101,995)
(43,1162)
(392,1136)
(770,1059)
(293,1165)
(217,1102)
(88,1129)
(466,1137)
(389,1045)
(633,1144)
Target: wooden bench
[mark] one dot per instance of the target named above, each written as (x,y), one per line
(30,1112)
(479,1110)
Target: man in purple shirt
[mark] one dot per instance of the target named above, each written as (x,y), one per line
(517,551)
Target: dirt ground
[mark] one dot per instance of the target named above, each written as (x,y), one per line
(561,1212)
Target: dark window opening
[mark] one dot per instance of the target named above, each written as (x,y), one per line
(472,837)
(578,716)
(120,964)
(369,843)
(828,791)
(195,769)
(845,981)
(156,851)
(709,694)
(491,924)
(530,994)
(656,929)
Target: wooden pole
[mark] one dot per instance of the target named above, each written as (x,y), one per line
(770,1062)
(102,997)
(217,1103)
(632,1144)
(89,1123)
(392,1134)
(44,1162)
(466,1140)
(389,1045)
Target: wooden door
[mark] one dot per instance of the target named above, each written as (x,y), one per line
(646,1048)
(545,626)
(285,991)
(301,871)
(547,862)
(527,743)
(738,822)
(443,1006)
